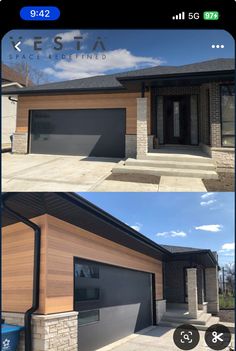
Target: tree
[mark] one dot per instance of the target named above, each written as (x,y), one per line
(32,75)
(230,277)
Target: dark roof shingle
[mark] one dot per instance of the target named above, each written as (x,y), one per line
(113,81)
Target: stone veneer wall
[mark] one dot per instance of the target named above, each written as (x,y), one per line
(223,157)
(20,143)
(160,310)
(53,332)
(131,145)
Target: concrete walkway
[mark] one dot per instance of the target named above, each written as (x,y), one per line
(167,184)
(154,339)
(183,184)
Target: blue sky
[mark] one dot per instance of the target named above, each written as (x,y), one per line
(124,50)
(201,220)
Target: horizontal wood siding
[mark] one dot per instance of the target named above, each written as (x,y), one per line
(66,241)
(60,243)
(17,266)
(80,101)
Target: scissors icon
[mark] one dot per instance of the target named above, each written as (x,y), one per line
(217,337)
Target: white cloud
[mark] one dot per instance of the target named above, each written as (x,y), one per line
(137,226)
(206,195)
(29,42)
(81,67)
(227,249)
(228,246)
(68,37)
(207,203)
(210,227)
(172,234)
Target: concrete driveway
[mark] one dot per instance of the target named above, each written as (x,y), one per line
(53,173)
(153,339)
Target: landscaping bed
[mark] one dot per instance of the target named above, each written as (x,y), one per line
(136,178)
(224,183)
(226,315)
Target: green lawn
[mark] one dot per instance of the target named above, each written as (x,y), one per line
(227,301)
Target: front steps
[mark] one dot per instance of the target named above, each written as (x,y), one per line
(175,318)
(168,163)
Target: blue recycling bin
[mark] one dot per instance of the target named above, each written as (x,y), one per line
(10,336)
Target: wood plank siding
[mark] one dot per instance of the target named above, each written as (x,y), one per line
(80,101)
(17,266)
(61,243)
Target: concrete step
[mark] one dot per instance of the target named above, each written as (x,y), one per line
(202,319)
(162,171)
(184,157)
(171,164)
(211,321)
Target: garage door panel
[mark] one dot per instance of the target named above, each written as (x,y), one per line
(124,303)
(99,133)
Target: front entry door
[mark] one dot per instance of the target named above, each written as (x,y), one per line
(177,120)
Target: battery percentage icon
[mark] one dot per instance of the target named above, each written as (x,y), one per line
(211,15)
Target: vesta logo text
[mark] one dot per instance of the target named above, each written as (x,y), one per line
(58,44)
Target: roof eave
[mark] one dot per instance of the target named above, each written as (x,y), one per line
(177,75)
(62,91)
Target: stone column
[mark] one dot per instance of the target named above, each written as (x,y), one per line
(215,123)
(142,137)
(212,290)
(192,292)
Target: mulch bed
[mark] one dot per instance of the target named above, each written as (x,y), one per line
(224,183)
(226,315)
(136,178)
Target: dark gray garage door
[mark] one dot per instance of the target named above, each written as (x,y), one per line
(94,132)
(113,302)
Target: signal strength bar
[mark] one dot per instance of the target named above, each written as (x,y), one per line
(180,16)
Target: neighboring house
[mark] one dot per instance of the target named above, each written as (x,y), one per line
(10,79)
(131,113)
(100,280)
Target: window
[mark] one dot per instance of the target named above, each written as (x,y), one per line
(227,115)
(176,119)
(84,294)
(86,270)
(87,317)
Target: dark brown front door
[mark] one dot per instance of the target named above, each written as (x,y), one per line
(177,120)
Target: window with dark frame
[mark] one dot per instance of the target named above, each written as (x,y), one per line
(86,270)
(88,317)
(227,115)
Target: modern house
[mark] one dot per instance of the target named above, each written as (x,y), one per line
(85,279)
(10,79)
(133,113)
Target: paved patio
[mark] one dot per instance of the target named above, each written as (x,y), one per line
(153,339)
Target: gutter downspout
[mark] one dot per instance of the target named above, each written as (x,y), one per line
(36,273)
